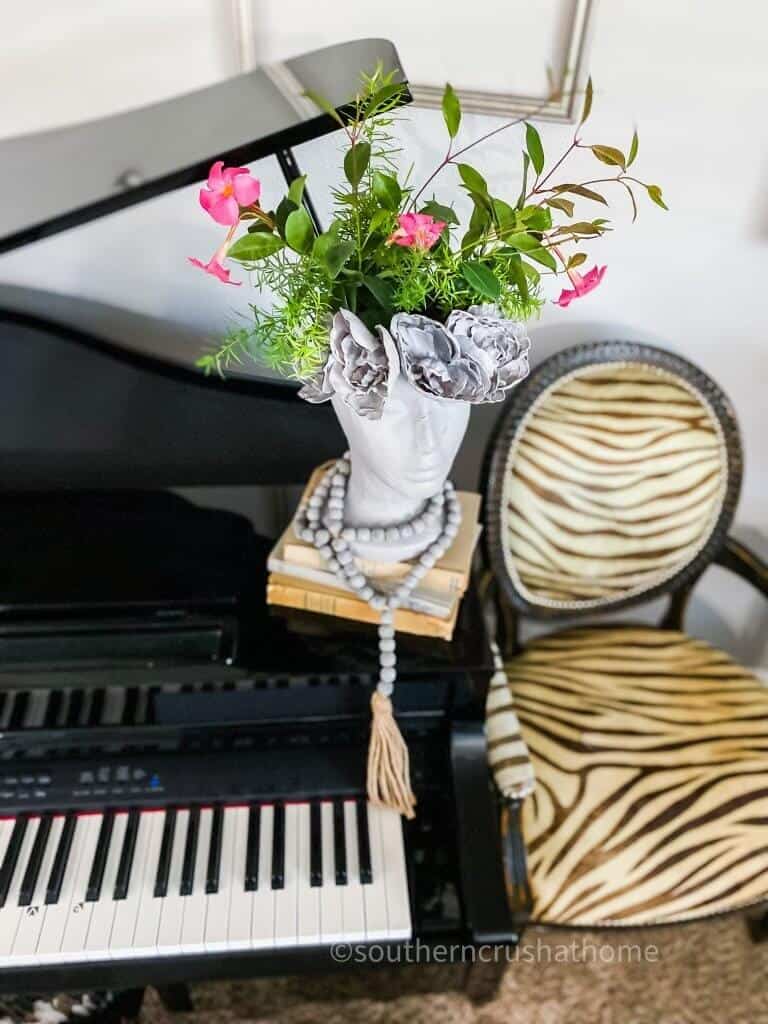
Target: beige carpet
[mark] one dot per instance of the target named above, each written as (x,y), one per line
(705,972)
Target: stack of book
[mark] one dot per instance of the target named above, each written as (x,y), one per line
(299,578)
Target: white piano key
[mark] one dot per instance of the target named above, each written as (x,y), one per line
(56,914)
(85,708)
(308,930)
(78,921)
(35,713)
(31,923)
(127,910)
(352,899)
(396,874)
(103,913)
(331,929)
(150,906)
(375,892)
(11,914)
(114,701)
(5,714)
(193,925)
(286,899)
(240,901)
(218,903)
(172,908)
(263,899)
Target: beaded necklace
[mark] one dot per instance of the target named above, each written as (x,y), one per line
(320,521)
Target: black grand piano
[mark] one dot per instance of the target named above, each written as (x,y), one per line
(182,770)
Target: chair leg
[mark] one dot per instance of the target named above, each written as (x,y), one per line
(482,980)
(176,998)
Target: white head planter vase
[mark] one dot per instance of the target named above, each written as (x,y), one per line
(403,400)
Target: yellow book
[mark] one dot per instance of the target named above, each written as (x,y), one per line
(326,602)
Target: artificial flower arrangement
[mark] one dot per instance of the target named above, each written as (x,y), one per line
(396,273)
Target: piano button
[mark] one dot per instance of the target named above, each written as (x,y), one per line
(11,857)
(144,941)
(96,710)
(214,852)
(286,895)
(31,921)
(364,843)
(166,849)
(57,913)
(353,901)
(315,845)
(396,875)
(29,881)
(375,891)
(18,711)
(103,913)
(80,910)
(330,895)
(126,856)
(263,898)
(308,898)
(240,902)
(190,852)
(22,840)
(252,849)
(96,877)
(130,885)
(278,846)
(130,705)
(56,877)
(74,709)
(218,902)
(172,908)
(53,709)
(339,843)
(193,924)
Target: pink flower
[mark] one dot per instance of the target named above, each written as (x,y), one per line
(417,231)
(215,266)
(228,189)
(581,285)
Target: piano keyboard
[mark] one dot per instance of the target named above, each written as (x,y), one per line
(143,883)
(74,708)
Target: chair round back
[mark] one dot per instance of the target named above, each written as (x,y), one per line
(611,478)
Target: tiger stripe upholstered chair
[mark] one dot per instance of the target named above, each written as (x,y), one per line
(612,478)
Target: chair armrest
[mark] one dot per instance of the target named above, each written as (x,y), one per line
(745,563)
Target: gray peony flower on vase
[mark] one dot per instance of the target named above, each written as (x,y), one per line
(504,341)
(434,361)
(360,367)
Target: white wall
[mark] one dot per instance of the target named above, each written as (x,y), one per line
(694,80)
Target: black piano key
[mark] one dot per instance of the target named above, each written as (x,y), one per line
(3,699)
(130,706)
(97,707)
(123,879)
(339,843)
(11,857)
(214,851)
(190,853)
(29,881)
(73,711)
(19,710)
(53,889)
(252,849)
(315,845)
(51,719)
(166,850)
(363,843)
(96,877)
(278,847)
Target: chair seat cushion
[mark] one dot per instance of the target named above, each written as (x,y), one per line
(651,757)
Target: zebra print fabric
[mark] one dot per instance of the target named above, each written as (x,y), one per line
(650,752)
(614,483)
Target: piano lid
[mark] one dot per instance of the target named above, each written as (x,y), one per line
(48,187)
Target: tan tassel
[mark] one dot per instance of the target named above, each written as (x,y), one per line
(389,772)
